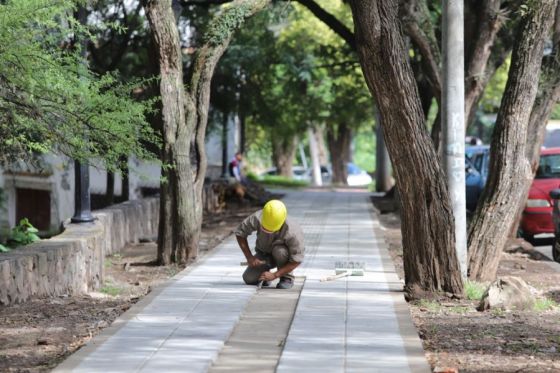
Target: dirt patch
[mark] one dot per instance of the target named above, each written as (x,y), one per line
(455,335)
(37,335)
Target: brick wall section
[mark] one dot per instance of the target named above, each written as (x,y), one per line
(72,262)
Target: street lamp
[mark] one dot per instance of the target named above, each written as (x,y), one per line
(82,198)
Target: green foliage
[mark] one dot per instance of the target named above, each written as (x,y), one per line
(23,234)
(429,305)
(111,289)
(555,112)
(287,70)
(364,149)
(545,304)
(50,101)
(492,98)
(223,27)
(282,181)
(3,249)
(474,290)
(461,310)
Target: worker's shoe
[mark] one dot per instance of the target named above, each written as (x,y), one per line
(285,283)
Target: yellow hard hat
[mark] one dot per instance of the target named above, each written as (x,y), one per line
(273,215)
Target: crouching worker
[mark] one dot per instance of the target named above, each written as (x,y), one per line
(279,245)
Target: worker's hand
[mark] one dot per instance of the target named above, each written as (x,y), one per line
(267,276)
(255,262)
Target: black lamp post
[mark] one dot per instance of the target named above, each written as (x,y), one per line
(82,200)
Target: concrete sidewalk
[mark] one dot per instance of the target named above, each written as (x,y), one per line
(353,324)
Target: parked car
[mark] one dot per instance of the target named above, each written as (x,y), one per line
(477,160)
(537,215)
(357,176)
(474,185)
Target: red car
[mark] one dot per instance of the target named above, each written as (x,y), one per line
(537,216)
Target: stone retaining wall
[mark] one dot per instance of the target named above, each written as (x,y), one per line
(72,262)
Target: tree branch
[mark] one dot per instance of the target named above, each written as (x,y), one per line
(327,18)
(416,22)
(478,74)
(216,42)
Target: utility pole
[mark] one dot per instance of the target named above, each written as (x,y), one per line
(453,115)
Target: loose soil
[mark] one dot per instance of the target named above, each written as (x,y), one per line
(456,337)
(37,335)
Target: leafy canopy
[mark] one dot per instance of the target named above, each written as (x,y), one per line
(50,101)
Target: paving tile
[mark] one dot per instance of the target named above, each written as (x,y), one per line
(345,325)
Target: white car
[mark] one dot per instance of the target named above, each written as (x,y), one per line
(357,176)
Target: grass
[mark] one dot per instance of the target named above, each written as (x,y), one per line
(110,289)
(461,310)
(109,259)
(497,312)
(474,290)
(282,181)
(544,304)
(430,305)
(172,271)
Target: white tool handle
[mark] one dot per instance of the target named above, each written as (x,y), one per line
(340,275)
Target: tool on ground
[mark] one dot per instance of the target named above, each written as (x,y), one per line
(344,269)
(260,284)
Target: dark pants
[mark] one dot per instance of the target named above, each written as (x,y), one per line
(277,259)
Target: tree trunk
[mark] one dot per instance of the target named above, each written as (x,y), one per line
(283,154)
(510,170)
(338,140)
(382,162)
(320,138)
(110,188)
(242,138)
(185,115)
(547,97)
(225,159)
(314,151)
(430,261)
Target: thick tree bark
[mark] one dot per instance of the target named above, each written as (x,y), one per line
(510,170)
(283,154)
(185,115)
(430,261)
(338,140)
(547,97)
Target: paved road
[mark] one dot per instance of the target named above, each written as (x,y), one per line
(354,324)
